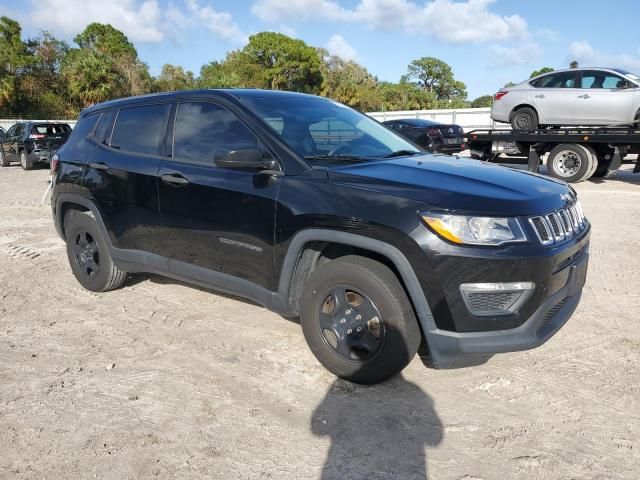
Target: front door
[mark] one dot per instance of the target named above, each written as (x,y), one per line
(555,97)
(603,99)
(215,219)
(10,143)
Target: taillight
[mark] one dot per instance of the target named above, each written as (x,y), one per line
(499,95)
(37,136)
(55,162)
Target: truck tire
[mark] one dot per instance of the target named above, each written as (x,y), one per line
(594,162)
(89,255)
(358,321)
(524,118)
(25,161)
(569,162)
(3,160)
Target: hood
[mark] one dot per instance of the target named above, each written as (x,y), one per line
(450,183)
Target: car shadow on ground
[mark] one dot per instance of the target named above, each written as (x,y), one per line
(377,432)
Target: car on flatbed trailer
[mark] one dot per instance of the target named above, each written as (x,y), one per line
(574,154)
(316,211)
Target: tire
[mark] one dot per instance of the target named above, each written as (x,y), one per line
(594,162)
(25,161)
(371,351)
(569,162)
(3,161)
(524,118)
(89,255)
(601,172)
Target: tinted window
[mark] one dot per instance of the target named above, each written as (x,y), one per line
(18,130)
(51,129)
(141,129)
(599,79)
(556,80)
(202,128)
(74,148)
(105,126)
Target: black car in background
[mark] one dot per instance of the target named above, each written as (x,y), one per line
(432,136)
(32,142)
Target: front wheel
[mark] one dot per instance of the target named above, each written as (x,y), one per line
(358,321)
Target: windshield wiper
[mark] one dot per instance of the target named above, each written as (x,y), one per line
(401,153)
(338,157)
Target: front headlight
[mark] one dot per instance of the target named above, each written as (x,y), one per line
(471,230)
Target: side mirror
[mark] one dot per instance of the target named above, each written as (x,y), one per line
(243,159)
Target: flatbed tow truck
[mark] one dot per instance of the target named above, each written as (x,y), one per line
(575,153)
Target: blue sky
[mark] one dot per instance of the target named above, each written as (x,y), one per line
(487,43)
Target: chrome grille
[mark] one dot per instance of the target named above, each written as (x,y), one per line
(559,225)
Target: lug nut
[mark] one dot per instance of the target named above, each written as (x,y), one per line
(358,317)
(359,329)
(342,320)
(349,331)
(347,311)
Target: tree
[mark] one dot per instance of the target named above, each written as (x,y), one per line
(436,76)
(173,77)
(405,96)
(93,77)
(14,57)
(273,60)
(509,84)
(543,70)
(347,82)
(483,101)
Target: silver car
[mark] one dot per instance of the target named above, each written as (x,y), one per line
(577,96)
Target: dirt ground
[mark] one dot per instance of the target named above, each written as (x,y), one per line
(162,380)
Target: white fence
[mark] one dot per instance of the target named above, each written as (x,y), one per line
(6,123)
(467,118)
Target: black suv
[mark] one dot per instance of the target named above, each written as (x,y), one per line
(32,142)
(316,211)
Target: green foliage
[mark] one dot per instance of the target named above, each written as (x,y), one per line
(509,84)
(436,76)
(483,101)
(535,73)
(45,77)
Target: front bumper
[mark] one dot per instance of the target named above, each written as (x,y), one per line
(452,349)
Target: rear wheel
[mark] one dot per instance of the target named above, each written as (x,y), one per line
(89,255)
(569,162)
(524,118)
(25,161)
(358,321)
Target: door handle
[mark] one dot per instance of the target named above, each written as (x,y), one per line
(99,166)
(584,96)
(539,96)
(174,179)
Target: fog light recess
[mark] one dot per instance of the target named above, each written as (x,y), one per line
(491,299)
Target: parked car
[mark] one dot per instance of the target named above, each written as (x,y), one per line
(577,96)
(3,133)
(316,211)
(432,136)
(32,142)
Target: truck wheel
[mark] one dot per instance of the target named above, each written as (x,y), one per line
(524,118)
(3,160)
(594,162)
(27,164)
(358,321)
(569,162)
(89,255)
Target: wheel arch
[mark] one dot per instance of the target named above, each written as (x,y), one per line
(520,106)
(68,201)
(310,248)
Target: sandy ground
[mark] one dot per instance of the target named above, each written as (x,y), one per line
(162,380)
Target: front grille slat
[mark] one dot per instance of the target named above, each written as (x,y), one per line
(559,225)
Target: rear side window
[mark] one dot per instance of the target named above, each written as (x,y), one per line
(74,148)
(203,128)
(105,127)
(141,129)
(556,80)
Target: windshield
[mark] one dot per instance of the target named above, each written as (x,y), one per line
(314,127)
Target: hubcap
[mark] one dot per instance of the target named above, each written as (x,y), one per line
(524,121)
(85,251)
(566,163)
(351,324)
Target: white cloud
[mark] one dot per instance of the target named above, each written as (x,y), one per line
(547,34)
(447,20)
(139,20)
(527,53)
(587,56)
(338,46)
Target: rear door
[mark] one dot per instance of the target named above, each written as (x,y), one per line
(122,173)
(215,219)
(604,99)
(10,144)
(554,97)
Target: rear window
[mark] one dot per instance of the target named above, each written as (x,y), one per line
(105,126)
(51,129)
(141,129)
